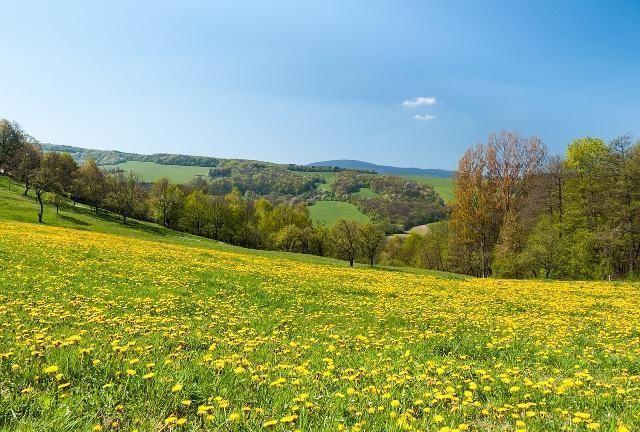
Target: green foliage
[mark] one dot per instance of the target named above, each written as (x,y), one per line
(371,241)
(12,137)
(584,154)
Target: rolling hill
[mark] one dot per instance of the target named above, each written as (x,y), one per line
(274,181)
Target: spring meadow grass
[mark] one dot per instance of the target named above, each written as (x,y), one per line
(151,171)
(109,331)
(330,212)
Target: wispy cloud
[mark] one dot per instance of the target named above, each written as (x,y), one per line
(420,101)
(424,117)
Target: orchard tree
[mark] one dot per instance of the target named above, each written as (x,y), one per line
(125,195)
(24,164)
(166,200)
(344,236)
(91,184)
(196,214)
(371,241)
(12,137)
(53,176)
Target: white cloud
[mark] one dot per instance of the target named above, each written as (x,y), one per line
(420,101)
(425,117)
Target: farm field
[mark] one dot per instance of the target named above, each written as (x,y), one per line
(330,212)
(108,332)
(151,171)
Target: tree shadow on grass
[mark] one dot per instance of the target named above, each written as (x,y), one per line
(73,220)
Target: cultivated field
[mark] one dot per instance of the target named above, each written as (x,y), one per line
(117,333)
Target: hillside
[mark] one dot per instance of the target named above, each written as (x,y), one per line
(131,330)
(288,183)
(384,169)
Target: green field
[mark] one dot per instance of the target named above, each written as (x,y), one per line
(330,212)
(108,327)
(151,171)
(365,193)
(442,185)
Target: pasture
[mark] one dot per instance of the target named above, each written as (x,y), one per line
(330,212)
(442,185)
(151,171)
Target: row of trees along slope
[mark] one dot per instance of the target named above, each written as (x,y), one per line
(232,218)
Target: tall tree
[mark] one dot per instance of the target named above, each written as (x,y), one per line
(166,201)
(125,194)
(371,241)
(53,176)
(492,182)
(12,137)
(197,212)
(344,235)
(91,184)
(474,225)
(24,164)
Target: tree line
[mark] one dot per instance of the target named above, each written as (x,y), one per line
(56,178)
(522,213)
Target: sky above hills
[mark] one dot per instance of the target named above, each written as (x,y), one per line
(409,83)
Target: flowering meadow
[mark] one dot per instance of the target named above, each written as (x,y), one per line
(106,332)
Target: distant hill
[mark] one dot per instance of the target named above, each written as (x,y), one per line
(383,169)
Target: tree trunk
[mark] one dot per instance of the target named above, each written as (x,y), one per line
(39,195)
(57,209)
(350,262)
(26,188)
(371,261)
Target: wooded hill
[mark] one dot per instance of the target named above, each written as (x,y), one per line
(397,203)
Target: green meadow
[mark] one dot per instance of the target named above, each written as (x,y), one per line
(330,212)
(151,171)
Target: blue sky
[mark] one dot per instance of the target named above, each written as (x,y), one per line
(298,81)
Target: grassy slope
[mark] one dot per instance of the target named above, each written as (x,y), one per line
(365,193)
(99,328)
(444,186)
(330,212)
(15,207)
(151,171)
